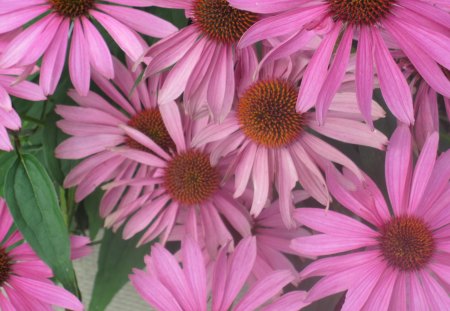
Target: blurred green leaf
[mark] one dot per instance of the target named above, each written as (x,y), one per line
(33,203)
(91,205)
(7,159)
(116,260)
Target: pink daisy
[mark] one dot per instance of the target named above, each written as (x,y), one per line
(59,20)
(272,145)
(418,27)
(185,183)
(401,255)
(95,129)
(168,287)
(203,55)
(25,280)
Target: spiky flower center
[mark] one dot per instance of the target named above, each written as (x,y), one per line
(267,113)
(72,8)
(5,266)
(220,21)
(190,178)
(366,12)
(150,123)
(407,243)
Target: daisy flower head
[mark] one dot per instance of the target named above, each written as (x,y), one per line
(56,22)
(167,286)
(96,126)
(203,56)
(185,183)
(272,143)
(25,280)
(418,27)
(402,252)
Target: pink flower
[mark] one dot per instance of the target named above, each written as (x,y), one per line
(203,55)
(24,279)
(185,186)
(401,256)
(168,287)
(95,127)
(48,36)
(272,145)
(418,27)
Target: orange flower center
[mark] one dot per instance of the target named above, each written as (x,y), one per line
(150,123)
(366,12)
(190,178)
(221,22)
(5,266)
(267,113)
(72,8)
(407,243)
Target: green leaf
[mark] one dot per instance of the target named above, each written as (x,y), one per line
(33,203)
(116,260)
(52,136)
(91,205)
(7,159)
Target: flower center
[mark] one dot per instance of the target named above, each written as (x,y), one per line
(267,113)
(190,178)
(221,22)
(367,12)
(407,243)
(72,8)
(5,266)
(150,123)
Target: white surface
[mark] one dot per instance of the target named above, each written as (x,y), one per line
(127,299)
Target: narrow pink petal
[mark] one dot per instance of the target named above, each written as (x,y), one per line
(286,181)
(333,223)
(398,169)
(266,6)
(171,116)
(350,131)
(171,276)
(20,16)
(335,76)
(139,20)
(317,71)
(220,93)
(244,169)
(393,84)
(79,147)
(281,24)
(54,59)
(5,304)
(380,298)
(423,171)
(324,244)
(361,290)
(227,207)
(47,293)
(79,67)
(177,79)
(364,73)
(125,38)
(6,219)
(240,265)
(170,50)
(195,272)
(264,290)
(5,100)
(435,293)
(99,54)
(261,183)
(145,141)
(141,157)
(152,291)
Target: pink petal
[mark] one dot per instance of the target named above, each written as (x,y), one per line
(79,67)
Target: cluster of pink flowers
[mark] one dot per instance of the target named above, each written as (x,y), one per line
(223,133)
